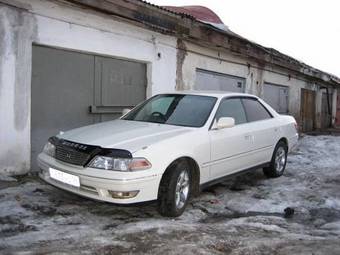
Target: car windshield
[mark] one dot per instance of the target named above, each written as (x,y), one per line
(174,109)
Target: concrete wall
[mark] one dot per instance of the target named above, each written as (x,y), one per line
(62,26)
(17,29)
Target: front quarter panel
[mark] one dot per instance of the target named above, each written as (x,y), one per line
(193,144)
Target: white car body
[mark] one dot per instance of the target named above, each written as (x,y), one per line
(216,152)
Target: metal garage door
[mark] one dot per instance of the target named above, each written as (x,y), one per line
(120,84)
(276,96)
(326,110)
(207,80)
(307,118)
(71,89)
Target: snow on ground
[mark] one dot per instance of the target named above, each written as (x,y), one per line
(244,215)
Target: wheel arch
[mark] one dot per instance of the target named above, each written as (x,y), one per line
(285,140)
(194,170)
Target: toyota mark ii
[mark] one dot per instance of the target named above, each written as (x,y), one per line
(170,147)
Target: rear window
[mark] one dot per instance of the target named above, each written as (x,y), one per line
(255,110)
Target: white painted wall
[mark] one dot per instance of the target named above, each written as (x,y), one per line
(55,25)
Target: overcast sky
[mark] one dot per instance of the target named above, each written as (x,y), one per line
(308,30)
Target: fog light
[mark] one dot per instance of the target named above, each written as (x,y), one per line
(123,194)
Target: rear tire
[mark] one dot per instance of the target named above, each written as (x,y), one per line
(278,161)
(175,189)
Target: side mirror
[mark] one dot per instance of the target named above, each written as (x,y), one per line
(125,111)
(225,122)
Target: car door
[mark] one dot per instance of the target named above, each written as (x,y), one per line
(264,131)
(229,146)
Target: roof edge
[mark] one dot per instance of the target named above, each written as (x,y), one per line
(188,28)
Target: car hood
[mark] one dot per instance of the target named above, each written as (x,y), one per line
(123,134)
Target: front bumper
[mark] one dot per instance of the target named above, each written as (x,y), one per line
(99,188)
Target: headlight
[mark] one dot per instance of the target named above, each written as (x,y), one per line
(49,149)
(120,164)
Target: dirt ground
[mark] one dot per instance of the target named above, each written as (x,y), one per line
(298,213)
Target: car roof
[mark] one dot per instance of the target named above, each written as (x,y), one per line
(214,93)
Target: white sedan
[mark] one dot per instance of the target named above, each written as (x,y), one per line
(170,147)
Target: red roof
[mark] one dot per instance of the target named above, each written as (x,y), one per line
(199,12)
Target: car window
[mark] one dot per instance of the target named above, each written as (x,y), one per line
(174,109)
(255,110)
(232,107)
(161,104)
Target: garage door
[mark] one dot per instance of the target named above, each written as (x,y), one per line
(307,120)
(276,96)
(71,89)
(326,110)
(207,80)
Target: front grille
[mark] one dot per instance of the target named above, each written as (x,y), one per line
(80,154)
(71,156)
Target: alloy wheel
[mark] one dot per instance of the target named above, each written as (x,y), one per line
(280,159)
(182,189)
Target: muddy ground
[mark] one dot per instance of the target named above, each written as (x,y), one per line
(298,213)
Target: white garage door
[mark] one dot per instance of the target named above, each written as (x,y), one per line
(276,96)
(207,80)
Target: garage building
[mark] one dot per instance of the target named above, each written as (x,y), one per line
(65,64)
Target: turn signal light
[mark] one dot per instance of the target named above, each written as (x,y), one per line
(123,194)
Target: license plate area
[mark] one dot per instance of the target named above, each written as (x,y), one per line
(64,177)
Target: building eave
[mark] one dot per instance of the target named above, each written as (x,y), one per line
(187,28)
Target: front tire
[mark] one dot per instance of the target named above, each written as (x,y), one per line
(175,189)
(278,161)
